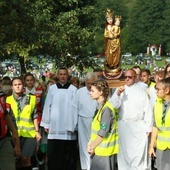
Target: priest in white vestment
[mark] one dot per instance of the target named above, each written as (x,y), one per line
(134,124)
(81,112)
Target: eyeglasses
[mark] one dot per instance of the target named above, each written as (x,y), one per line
(129,77)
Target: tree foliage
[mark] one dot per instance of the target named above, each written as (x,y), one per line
(145,25)
(47,27)
(71,30)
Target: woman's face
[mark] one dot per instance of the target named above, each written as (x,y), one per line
(110,20)
(95,93)
(29,81)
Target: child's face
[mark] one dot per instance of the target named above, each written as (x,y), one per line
(161,90)
(117,23)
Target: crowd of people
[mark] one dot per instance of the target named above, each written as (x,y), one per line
(56,122)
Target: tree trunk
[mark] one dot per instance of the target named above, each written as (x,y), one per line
(22,65)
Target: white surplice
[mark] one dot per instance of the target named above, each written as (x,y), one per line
(56,110)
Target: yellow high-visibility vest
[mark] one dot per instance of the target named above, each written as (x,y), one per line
(109,145)
(163,138)
(149,87)
(151,84)
(24,119)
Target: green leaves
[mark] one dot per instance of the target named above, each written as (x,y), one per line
(46,27)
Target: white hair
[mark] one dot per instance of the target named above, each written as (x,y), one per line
(90,75)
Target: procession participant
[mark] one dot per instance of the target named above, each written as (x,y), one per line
(82,109)
(22,108)
(32,87)
(134,123)
(103,143)
(75,81)
(167,71)
(160,130)
(138,81)
(7,157)
(61,144)
(158,75)
(146,78)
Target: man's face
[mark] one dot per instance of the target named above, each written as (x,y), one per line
(62,76)
(17,86)
(89,83)
(145,78)
(138,74)
(99,74)
(130,77)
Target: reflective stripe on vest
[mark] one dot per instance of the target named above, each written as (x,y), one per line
(163,138)
(164,128)
(109,145)
(24,120)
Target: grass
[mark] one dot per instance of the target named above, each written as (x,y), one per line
(158,64)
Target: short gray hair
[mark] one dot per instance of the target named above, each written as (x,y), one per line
(90,75)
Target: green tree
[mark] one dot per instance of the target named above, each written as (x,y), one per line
(49,27)
(145,25)
(166,27)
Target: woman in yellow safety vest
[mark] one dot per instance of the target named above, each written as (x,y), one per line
(103,144)
(23,112)
(161,127)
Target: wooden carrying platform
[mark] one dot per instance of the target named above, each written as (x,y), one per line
(116,83)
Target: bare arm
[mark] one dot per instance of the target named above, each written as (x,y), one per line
(153,141)
(38,136)
(92,145)
(14,135)
(97,141)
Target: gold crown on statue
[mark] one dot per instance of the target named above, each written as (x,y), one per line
(109,13)
(118,17)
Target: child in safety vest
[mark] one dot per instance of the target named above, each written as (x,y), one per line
(22,108)
(103,144)
(33,87)
(161,128)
